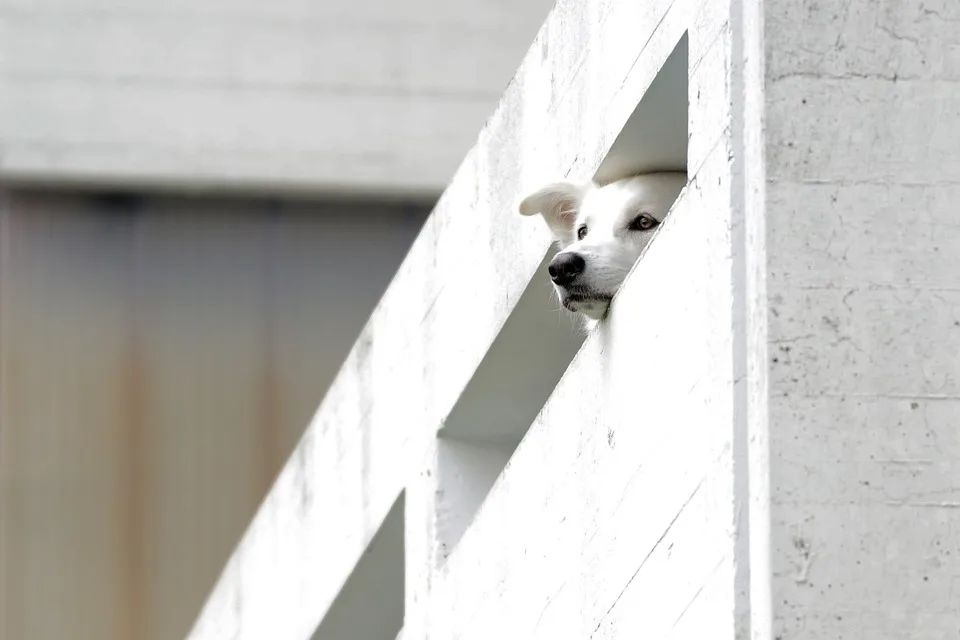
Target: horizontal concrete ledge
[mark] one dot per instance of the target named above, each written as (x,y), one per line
(286,94)
(251,184)
(581,80)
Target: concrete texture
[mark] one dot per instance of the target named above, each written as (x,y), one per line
(375,434)
(759,440)
(283,95)
(862,129)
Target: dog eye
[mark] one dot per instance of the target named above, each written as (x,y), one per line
(582,232)
(642,222)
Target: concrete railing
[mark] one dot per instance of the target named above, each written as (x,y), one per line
(464,478)
(632,455)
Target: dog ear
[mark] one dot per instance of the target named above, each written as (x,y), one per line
(558,203)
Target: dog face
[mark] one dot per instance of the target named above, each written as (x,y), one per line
(601,232)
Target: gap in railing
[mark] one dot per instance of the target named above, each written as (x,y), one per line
(515,378)
(539,339)
(370,606)
(656,134)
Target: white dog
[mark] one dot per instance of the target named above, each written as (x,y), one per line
(601,231)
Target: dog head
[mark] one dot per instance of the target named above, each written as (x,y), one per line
(601,231)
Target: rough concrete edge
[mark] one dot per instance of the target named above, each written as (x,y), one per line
(753,588)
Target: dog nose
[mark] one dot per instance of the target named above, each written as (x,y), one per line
(565,268)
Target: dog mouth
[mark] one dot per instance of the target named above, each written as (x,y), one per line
(584,302)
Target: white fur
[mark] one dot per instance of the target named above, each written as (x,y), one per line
(609,247)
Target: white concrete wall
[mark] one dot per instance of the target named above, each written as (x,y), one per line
(245,94)
(863,280)
(758,441)
(598,484)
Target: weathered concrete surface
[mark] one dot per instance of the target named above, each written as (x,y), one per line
(863,241)
(369,95)
(615,516)
(375,432)
(758,442)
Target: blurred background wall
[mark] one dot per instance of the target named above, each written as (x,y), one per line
(200,203)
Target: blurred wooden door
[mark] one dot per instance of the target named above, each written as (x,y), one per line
(158,361)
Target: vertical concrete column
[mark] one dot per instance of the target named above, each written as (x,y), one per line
(863,294)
